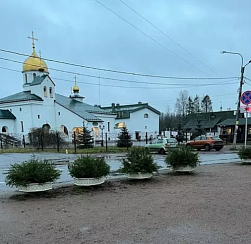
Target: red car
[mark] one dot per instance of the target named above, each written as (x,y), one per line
(206,142)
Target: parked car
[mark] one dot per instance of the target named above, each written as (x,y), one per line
(161,145)
(206,142)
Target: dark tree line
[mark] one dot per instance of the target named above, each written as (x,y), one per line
(185,104)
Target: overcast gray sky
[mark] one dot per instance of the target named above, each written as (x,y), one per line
(85,32)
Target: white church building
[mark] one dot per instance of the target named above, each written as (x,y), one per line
(39,105)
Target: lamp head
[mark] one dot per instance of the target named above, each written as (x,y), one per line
(222,52)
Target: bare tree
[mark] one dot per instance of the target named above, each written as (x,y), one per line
(190,105)
(181,103)
(196,104)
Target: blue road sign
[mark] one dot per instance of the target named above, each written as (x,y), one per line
(246,97)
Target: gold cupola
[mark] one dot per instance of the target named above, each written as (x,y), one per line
(34,62)
(75,88)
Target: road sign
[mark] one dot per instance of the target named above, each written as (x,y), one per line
(246,97)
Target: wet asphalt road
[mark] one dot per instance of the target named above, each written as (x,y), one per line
(114,160)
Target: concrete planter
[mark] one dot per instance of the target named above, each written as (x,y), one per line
(89,181)
(139,176)
(184,169)
(36,187)
(246,161)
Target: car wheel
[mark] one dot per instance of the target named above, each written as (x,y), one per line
(207,147)
(162,151)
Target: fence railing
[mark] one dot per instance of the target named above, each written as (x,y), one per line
(59,140)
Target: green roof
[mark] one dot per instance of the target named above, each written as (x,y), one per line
(21,96)
(6,114)
(192,124)
(231,122)
(208,120)
(123,111)
(38,80)
(83,110)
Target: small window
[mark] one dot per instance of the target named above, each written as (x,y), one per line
(50,91)
(146,127)
(4,129)
(38,116)
(34,76)
(145,115)
(22,126)
(10,110)
(25,77)
(108,126)
(20,109)
(58,113)
(45,91)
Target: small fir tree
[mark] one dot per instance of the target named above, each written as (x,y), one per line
(124,138)
(85,138)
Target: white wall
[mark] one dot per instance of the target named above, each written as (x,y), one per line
(138,123)
(10,124)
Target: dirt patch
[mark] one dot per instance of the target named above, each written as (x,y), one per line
(210,206)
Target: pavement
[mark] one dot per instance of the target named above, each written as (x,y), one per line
(114,160)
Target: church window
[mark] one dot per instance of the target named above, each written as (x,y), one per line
(45,91)
(64,130)
(20,109)
(145,115)
(108,126)
(34,76)
(38,116)
(10,110)
(58,113)
(50,90)
(22,126)
(25,77)
(46,128)
(4,129)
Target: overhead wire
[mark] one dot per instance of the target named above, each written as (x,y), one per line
(154,26)
(97,84)
(117,71)
(150,37)
(122,80)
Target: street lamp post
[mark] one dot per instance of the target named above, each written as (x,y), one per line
(102,128)
(239,95)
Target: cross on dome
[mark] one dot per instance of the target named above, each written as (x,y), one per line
(33,40)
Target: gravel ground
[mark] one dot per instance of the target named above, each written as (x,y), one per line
(210,206)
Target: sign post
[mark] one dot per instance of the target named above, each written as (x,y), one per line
(246,99)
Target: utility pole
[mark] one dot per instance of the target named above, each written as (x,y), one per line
(238,108)
(239,96)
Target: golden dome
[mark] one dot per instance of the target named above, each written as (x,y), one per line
(34,63)
(75,88)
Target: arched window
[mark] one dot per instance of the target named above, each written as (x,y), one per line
(25,77)
(64,130)
(34,76)
(50,91)
(45,91)
(4,129)
(46,128)
(145,115)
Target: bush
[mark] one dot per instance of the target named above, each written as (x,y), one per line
(47,138)
(182,157)
(138,160)
(89,167)
(32,171)
(244,153)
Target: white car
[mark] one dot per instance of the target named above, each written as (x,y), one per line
(161,145)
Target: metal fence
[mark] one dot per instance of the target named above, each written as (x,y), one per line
(58,140)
